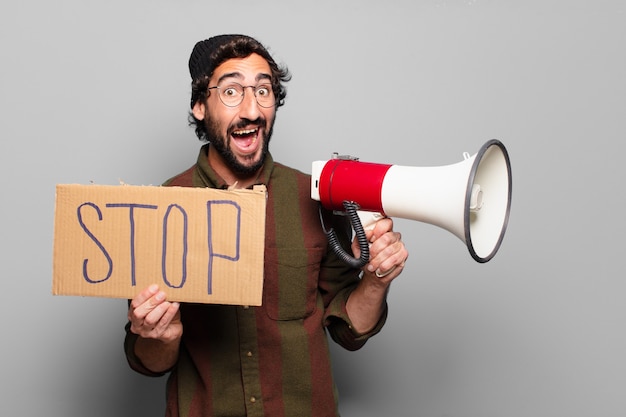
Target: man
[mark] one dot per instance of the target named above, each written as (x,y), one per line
(271,360)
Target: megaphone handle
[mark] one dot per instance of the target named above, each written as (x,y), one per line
(351,209)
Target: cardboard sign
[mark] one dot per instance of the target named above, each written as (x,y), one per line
(198,244)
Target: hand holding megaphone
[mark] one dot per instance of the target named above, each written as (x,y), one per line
(471,198)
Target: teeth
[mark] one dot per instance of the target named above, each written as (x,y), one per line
(244,132)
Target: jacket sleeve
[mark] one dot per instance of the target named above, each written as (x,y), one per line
(337,281)
(129,349)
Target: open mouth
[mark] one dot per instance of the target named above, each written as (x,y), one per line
(245,138)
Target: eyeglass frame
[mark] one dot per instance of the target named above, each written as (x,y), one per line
(243,93)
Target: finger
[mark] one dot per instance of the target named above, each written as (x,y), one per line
(389,258)
(385,244)
(158,326)
(381,274)
(144,295)
(155,314)
(167,317)
(151,309)
(156,318)
(381,227)
(396,268)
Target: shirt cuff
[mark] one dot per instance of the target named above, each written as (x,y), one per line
(340,326)
(133,361)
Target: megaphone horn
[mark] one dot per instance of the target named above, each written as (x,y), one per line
(471,198)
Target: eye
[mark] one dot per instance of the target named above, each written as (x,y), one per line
(263,91)
(231,91)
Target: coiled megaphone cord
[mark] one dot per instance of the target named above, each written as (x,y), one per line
(351,208)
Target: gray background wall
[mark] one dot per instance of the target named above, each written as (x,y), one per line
(94,91)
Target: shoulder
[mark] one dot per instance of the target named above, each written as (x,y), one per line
(282,170)
(184,179)
(291,180)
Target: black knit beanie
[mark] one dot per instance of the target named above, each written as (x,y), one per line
(202,59)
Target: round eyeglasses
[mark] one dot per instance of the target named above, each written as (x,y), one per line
(231,94)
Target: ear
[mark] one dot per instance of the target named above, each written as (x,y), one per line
(198,110)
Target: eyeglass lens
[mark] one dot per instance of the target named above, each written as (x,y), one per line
(232,94)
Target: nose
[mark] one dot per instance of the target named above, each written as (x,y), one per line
(249,108)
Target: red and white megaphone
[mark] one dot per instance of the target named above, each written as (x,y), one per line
(471,198)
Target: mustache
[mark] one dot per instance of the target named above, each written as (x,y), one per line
(244,123)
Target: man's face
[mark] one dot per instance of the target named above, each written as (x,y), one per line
(240,134)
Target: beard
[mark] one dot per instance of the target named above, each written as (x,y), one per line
(220,144)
